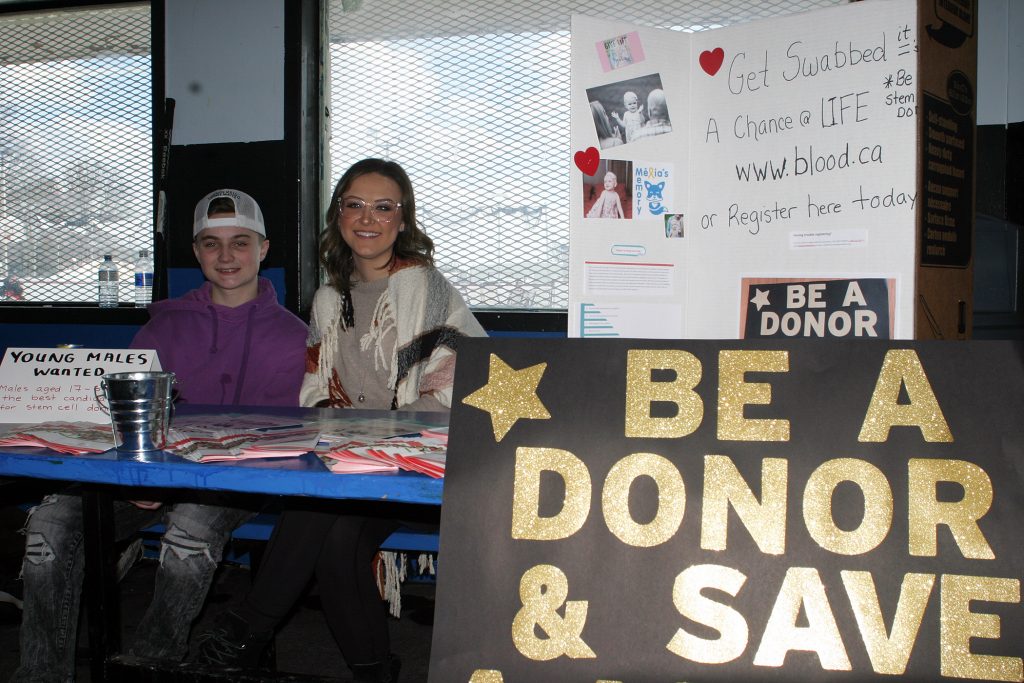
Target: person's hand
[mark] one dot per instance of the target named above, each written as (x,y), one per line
(146,504)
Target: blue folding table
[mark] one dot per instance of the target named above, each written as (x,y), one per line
(303,476)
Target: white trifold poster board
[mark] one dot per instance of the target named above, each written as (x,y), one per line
(753,181)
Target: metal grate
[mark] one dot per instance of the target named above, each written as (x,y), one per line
(472,98)
(75,148)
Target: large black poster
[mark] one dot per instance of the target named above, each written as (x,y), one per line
(636,510)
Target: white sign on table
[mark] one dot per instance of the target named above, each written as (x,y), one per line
(42,385)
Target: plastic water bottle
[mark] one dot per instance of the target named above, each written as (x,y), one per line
(108,283)
(143,279)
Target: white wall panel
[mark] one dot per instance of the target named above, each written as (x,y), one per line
(225,70)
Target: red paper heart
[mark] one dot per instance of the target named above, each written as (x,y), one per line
(587,160)
(711,60)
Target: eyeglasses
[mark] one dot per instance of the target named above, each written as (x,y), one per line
(384,210)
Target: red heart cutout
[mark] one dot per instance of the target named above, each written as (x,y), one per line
(587,160)
(711,60)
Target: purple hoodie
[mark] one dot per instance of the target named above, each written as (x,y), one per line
(253,354)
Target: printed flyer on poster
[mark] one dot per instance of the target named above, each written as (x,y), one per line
(785,145)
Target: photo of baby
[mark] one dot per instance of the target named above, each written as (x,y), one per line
(607,193)
(635,109)
(632,119)
(673,225)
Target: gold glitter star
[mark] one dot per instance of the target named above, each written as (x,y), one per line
(509,395)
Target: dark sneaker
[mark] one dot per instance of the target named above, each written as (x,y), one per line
(230,643)
(379,672)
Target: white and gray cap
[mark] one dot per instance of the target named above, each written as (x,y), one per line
(247,213)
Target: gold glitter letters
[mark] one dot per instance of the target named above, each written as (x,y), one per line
(927,513)
(902,368)
(542,590)
(802,586)
(486,676)
(641,391)
(877,506)
(960,624)
(671,500)
(734,393)
(766,521)
(888,652)
(686,596)
(526,521)
(758,612)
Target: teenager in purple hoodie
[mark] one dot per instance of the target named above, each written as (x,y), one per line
(229,342)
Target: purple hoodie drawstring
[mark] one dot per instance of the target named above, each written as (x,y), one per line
(245,355)
(225,378)
(216,328)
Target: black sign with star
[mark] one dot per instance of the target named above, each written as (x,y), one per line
(643,510)
(818,309)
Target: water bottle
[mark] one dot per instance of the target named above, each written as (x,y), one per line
(143,279)
(108,283)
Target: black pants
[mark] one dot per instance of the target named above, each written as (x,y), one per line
(338,549)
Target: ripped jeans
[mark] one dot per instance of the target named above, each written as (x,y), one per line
(53,569)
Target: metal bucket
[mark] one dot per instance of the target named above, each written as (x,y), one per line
(140,409)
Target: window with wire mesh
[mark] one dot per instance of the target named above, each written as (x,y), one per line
(472,98)
(76,179)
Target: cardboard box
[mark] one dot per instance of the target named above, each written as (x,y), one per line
(947,75)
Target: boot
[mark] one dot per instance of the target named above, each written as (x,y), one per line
(384,671)
(231,643)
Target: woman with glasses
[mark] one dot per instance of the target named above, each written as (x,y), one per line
(383,335)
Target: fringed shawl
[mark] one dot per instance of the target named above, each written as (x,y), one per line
(429,317)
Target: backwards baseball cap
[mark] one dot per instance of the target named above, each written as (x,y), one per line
(247,213)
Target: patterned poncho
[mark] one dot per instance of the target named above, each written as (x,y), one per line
(429,317)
